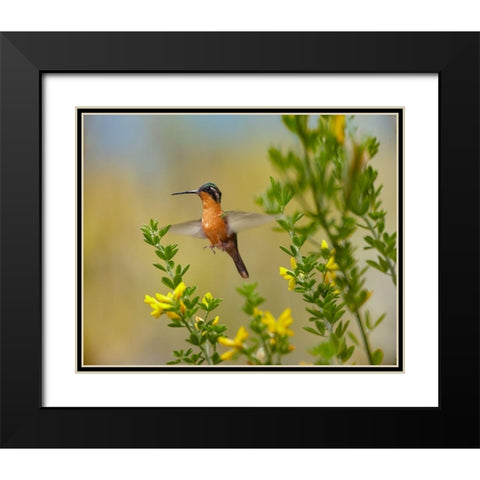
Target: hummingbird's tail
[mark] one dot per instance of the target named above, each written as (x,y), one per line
(242,269)
(233,252)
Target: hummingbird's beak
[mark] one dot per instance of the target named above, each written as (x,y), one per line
(188,191)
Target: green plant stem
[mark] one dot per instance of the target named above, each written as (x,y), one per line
(267,350)
(192,330)
(311,292)
(279,359)
(204,350)
(364,337)
(207,353)
(356,313)
(391,268)
(311,177)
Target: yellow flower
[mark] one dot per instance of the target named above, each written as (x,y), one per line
(178,292)
(331,265)
(165,300)
(328,279)
(158,308)
(228,355)
(270,322)
(206,298)
(166,303)
(216,319)
(288,275)
(284,320)
(236,343)
(368,294)
(279,326)
(338,127)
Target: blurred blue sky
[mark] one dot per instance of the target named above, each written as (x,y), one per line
(151,141)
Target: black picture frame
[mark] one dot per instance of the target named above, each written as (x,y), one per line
(26,57)
(398,366)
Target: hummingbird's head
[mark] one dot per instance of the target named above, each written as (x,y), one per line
(206,189)
(212,190)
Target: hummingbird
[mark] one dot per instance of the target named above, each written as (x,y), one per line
(219,227)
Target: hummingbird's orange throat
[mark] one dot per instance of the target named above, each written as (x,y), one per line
(213,221)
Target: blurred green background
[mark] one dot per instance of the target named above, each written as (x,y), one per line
(132,163)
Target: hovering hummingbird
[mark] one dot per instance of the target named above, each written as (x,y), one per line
(218,226)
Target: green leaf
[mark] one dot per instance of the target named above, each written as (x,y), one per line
(347,353)
(192,339)
(167,282)
(163,231)
(383,264)
(325,350)
(160,254)
(290,122)
(374,265)
(148,240)
(284,224)
(377,356)
(312,330)
(380,319)
(353,338)
(314,312)
(369,240)
(297,216)
(320,326)
(296,241)
(277,159)
(368,321)
(338,330)
(338,315)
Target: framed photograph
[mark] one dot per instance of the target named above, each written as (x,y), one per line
(324,217)
(138,156)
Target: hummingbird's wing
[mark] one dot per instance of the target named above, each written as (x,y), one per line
(238,221)
(192,228)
